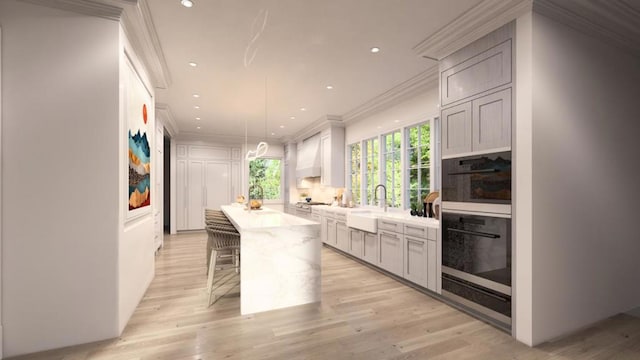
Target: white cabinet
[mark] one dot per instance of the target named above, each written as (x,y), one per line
(491,117)
(195,195)
(370,248)
(332,157)
(415,260)
(181,195)
(331,231)
(390,252)
(356,240)
(432,265)
(342,236)
(481,125)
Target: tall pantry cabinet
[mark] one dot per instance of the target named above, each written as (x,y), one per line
(206,178)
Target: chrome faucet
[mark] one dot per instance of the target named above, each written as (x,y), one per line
(375,195)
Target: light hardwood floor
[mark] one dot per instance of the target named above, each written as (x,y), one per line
(363,315)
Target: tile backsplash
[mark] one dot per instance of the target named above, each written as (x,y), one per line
(316,191)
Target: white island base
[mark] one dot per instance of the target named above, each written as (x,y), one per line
(280,259)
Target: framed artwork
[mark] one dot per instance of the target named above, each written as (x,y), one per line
(139,107)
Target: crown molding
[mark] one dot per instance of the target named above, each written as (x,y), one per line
(425,80)
(139,28)
(323,123)
(479,21)
(135,17)
(111,10)
(237,140)
(613,21)
(163,112)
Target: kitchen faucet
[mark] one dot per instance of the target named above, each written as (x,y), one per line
(375,195)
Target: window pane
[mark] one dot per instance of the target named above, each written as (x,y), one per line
(267,174)
(425,156)
(424,179)
(412,157)
(413,137)
(397,141)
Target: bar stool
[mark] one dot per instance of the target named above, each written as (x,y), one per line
(223,225)
(222,241)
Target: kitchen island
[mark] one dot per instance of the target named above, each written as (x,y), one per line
(280,259)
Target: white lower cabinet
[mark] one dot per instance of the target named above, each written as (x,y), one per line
(390,255)
(416,260)
(370,248)
(342,236)
(432,265)
(331,231)
(356,238)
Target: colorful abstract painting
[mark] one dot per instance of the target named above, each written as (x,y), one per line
(138,99)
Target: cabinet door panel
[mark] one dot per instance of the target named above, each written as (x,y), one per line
(432,265)
(415,264)
(218,184)
(182,195)
(390,253)
(492,121)
(342,236)
(370,248)
(195,199)
(355,243)
(456,129)
(331,232)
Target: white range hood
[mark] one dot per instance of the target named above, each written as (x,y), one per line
(308,161)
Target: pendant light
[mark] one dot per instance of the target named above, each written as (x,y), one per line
(263,146)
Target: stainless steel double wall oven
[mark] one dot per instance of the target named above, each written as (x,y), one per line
(476,234)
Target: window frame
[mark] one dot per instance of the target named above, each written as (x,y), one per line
(350,173)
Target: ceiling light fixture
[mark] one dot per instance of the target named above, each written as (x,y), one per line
(396,121)
(186,3)
(272,134)
(329,87)
(263,146)
(197,118)
(198,127)
(292,118)
(193,64)
(303,109)
(196,107)
(196,95)
(281,126)
(375,49)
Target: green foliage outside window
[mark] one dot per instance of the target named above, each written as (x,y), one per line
(266,173)
(354,151)
(392,170)
(371,171)
(419,161)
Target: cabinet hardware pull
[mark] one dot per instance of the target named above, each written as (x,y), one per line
(475,233)
(470,172)
(474,288)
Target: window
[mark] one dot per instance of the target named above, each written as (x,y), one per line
(392,172)
(354,166)
(267,173)
(371,175)
(418,140)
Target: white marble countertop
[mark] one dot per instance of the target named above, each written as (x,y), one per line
(402,217)
(261,219)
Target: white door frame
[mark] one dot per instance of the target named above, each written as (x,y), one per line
(1,330)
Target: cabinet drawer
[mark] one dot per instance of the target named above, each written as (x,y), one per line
(390,225)
(415,230)
(340,216)
(329,214)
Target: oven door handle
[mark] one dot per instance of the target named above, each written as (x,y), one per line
(471,172)
(475,233)
(475,288)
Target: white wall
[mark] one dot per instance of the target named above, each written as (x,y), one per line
(585,177)
(418,108)
(60,181)
(136,237)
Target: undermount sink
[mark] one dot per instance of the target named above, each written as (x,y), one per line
(363,220)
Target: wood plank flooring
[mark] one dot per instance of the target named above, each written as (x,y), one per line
(363,315)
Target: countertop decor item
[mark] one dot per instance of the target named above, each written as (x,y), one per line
(428,203)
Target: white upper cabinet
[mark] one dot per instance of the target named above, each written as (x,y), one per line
(475,95)
(332,157)
(491,126)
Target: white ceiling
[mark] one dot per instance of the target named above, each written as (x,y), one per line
(305,46)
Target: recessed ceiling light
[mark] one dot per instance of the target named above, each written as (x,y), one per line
(379,127)
(281,126)
(375,49)
(272,134)
(198,127)
(196,95)
(186,3)
(197,118)
(196,107)
(292,118)
(193,64)
(303,109)
(329,87)
(396,121)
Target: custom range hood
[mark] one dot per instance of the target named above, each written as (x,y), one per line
(308,161)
